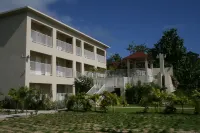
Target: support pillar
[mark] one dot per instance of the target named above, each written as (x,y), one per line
(74,45)
(82,48)
(82,68)
(74,69)
(73,90)
(146,70)
(95,53)
(128,67)
(54,91)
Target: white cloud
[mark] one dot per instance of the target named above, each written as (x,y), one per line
(41,5)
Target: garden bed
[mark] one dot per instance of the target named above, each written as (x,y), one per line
(65,122)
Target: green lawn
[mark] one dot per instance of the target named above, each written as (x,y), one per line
(92,122)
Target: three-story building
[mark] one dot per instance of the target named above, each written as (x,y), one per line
(41,52)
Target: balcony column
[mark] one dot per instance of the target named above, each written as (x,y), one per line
(74,45)
(128,67)
(53,64)
(54,91)
(105,55)
(146,70)
(74,69)
(82,68)
(95,53)
(54,34)
(82,48)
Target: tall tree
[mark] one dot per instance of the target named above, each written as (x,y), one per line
(188,71)
(171,44)
(132,48)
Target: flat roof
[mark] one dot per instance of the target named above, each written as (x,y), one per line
(28,8)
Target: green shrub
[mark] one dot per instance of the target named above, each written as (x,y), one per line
(83,84)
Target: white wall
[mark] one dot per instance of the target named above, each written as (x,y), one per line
(12,47)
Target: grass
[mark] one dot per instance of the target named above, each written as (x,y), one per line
(92,122)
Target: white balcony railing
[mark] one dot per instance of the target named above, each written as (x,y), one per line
(64,46)
(39,68)
(40,38)
(78,51)
(64,72)
(101,58)
(89,55)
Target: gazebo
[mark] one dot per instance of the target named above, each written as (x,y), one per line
(138,57)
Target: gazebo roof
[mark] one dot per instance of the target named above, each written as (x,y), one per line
(137,55)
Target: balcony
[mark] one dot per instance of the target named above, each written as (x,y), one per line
(64,42)
(64,68)
(89,51)
(40,38)
(64,46)
(101,58)
(101,55)
(38,68)
(64,72)
(89,55)
(40,64)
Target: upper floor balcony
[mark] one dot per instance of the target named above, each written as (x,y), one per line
(101,56)
(40,64)
(41,34)
(89,51)
(64,68)
(64,43)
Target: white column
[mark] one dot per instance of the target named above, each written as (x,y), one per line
(146,70)
(54,91)
(74,45)
(95,53)
(73,89)
(82,68)
(53,63)
(152,67)
(128,67)
(53,66)
(82,48)
(146,64)
(74,68)
(105,55)
(54,34)
(162,66)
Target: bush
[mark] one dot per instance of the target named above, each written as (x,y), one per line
(83,84)
(79,102)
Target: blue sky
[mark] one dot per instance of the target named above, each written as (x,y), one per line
(119,22)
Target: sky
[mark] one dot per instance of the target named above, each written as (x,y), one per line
(119,22)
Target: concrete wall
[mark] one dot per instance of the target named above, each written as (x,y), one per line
(168,70)
(12,47)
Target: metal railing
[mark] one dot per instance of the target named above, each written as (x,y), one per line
(64,72)
(93,90)
(39,68)
(78,51)
(89,55)
(64,46)
(41,38)
(101,58)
